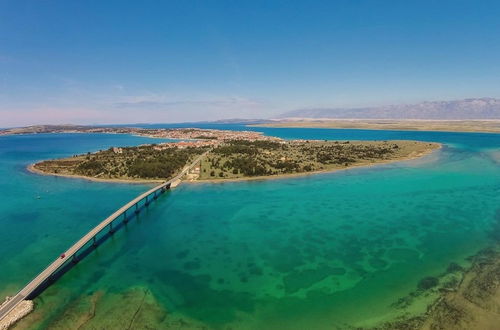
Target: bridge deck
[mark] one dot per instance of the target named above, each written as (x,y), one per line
(58,263)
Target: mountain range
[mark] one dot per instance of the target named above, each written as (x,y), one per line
(467,109)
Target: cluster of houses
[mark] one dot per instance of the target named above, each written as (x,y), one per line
(208,134)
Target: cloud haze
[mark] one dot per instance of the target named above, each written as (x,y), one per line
(134,109)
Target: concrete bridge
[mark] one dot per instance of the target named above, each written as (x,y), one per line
(88,242)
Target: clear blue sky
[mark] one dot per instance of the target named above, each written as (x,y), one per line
(170,61)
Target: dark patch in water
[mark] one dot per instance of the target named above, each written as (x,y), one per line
(215,307)
(287,259)
(256,271)
(192,265)
(377,263)
(427,283)
(337,271)
(23,216)
(182,254)
(454,267)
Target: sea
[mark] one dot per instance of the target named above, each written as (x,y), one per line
(356,248)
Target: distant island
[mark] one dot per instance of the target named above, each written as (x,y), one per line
(232,155)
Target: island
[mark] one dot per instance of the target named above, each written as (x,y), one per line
(229,155)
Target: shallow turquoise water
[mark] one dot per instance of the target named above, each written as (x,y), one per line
(314,252)
(40,216)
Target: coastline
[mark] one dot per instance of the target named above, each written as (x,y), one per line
(475,302)
(471,302)
(332,170)
(452,126)
(31,168)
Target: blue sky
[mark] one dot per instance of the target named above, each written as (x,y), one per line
(171,61)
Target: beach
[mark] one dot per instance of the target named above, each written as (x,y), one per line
(31,168)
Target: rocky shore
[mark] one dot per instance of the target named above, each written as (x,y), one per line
(468,299)
(475,304)
(20,311)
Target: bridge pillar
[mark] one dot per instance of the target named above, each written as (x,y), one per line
(125,219)
(168,186)
(147,202)
(111,230)
(136,208)
(94,243)
(155,197)
(74,259)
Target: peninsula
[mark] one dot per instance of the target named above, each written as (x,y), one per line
(231,156)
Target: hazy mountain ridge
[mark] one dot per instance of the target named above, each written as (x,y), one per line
(467,109)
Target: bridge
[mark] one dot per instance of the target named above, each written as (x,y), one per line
(47,276)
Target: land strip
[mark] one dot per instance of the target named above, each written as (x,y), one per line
(194,136)
(490,126)
(232,160)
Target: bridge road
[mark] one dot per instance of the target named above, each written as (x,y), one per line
(54,266)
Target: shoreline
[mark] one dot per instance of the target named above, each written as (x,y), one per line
(31,168)
(325,171)
(475,302)
(472,303)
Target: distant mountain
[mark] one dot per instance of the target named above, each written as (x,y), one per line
(478,108)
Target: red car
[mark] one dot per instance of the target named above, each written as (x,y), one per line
(63,255)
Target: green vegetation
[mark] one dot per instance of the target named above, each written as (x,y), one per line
(143,162)
(233,159)
(238,159)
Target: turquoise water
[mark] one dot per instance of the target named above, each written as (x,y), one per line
(42,215)
(316,252)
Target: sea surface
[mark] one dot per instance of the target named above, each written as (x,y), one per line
(337,250)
